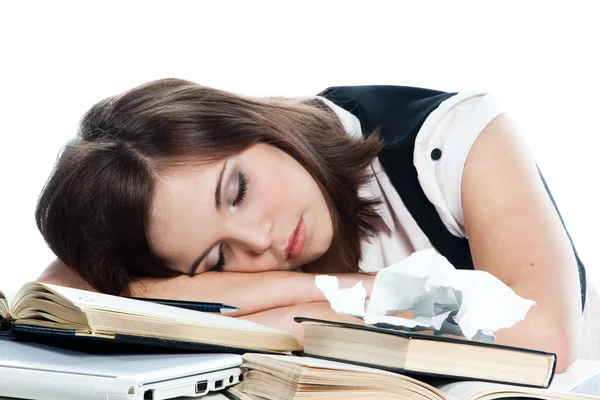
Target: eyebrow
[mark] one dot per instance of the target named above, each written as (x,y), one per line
(199,260)
(218,190)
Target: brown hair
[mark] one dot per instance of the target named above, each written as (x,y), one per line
(94,209)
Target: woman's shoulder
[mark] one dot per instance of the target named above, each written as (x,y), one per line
(395,111)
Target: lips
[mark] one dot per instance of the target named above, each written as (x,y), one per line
(296,241)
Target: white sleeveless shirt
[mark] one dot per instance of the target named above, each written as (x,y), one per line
(453,128)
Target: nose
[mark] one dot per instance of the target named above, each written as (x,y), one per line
(255,239)
(254,248)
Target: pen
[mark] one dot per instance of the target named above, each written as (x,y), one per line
(193,305)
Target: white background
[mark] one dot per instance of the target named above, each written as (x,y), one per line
(58,58)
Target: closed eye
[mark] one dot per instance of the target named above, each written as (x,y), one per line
(241,194)
(242,187)
(221,262)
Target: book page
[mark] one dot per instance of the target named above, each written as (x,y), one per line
(91,300)
(320,363)
(471,390)
(465,390)
(232,393)
(6,299)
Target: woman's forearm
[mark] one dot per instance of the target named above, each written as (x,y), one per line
(58,273)
(545,328)
(252,292)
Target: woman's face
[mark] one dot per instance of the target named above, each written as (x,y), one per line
(258,210)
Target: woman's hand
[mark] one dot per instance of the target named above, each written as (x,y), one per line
(283,318)
(515,234)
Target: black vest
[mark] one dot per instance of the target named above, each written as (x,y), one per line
(399,112)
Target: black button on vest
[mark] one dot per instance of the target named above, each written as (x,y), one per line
(436,154)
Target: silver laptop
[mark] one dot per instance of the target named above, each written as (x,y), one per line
(37,371)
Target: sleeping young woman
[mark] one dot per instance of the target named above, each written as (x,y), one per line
(177,190)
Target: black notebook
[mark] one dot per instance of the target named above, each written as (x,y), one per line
(56,313)
(418,354)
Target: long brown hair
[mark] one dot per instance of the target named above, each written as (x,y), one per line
(94,209)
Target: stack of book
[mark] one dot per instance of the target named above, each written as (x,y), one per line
(344,361)
(337,360)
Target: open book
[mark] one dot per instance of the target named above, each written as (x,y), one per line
(414,353)
(53,312)
(280,377)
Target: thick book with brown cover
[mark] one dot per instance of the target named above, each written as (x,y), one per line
(51,313)
(280,377)
(415,353)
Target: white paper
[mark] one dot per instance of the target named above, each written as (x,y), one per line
(466,303)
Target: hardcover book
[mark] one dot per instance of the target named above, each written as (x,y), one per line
(418,353)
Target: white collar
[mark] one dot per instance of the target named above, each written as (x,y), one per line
(349,121)
(373,188)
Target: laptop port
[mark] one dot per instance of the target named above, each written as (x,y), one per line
(201,386)
(219,384)
(149,394)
